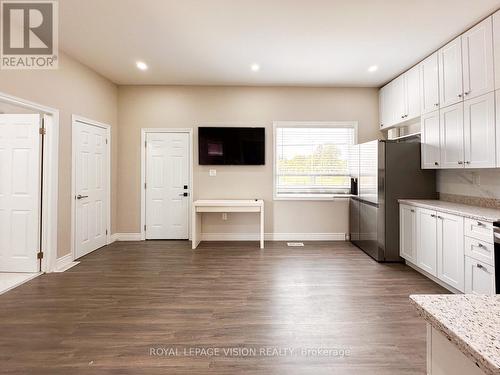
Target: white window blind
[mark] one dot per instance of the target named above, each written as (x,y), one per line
(312,160)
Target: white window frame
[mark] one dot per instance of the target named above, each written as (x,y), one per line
(305,124)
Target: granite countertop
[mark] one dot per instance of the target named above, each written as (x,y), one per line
(474,212)
(471,322)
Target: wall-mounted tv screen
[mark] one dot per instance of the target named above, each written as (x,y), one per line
(231,146)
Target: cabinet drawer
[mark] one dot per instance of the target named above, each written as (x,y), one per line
(479,277)
(480,250)
(480,230)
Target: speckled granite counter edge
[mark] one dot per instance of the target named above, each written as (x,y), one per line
(471,353)
(414,203)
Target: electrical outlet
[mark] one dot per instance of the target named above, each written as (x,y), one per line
(224,216)
(212,172)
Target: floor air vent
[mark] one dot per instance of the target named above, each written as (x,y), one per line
(295,244)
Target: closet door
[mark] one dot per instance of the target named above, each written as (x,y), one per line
(450,73)
(477,49)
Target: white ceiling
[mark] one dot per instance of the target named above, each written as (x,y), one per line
(296,42)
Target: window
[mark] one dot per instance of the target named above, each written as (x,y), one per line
(312,159)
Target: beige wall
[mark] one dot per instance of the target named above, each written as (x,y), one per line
(73,89)
(183,106)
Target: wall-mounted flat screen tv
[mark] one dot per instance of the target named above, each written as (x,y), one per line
(231,146)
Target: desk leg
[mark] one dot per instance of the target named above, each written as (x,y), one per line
(262,227)
(196,235)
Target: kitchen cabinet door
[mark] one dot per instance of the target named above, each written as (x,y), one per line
(407,233)
(451,125)
(429,84)
(412,93)
(430,140)
(496,47)
(479,132)
(427,240)
(384,106)
(497,124)
(450,250)
(398,101)
(479,277)
(450,73)
(477,51)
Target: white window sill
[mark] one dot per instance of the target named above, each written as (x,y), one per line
(312,197)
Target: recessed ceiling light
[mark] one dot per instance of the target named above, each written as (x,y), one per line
(255,67)
(142,65)
(373,68)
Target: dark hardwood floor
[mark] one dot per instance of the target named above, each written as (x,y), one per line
(105,315)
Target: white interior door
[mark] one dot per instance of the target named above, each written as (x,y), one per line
(19,192)
(167,186)
(91,188)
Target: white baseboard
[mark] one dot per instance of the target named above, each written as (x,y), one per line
(247,237)
(64,263)
(273,236)
(126,237)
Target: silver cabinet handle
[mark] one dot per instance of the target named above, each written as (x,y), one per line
(467,93)
(460,162)
(459,95)
(481,267)
(479,224)
(436,163)
(467,162)
(412,210)
(436,104)
(183,194)
(79,196)
(432,215)
(440,217)
(481,246)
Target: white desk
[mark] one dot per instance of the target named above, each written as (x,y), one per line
(201,206)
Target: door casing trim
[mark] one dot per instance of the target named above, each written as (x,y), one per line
(80,119)
(50,178)
(144,133)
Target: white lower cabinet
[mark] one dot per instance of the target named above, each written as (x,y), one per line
(456,250)
(450,250)
(479,277)
(407,238)
(427,240)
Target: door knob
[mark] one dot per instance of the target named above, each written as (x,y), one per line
(79,196)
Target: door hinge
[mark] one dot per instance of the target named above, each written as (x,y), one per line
(42,131)
(106,140)
(145,185)
(144,226)
(39,255)
(106,232)
(145,144)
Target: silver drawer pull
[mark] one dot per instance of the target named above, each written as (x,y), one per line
(481,267)
(479,224)
(480,245)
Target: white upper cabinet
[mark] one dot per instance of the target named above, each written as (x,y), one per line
(477,53)
(399,99)
(450,250)
(496,47)
(382,106)
(450,73)
(430,140)
(412,93)
(429,84)
(479,132)
(451,123)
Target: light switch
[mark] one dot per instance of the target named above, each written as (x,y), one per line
(213,172)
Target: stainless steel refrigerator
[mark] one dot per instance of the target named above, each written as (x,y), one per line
(386,171)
